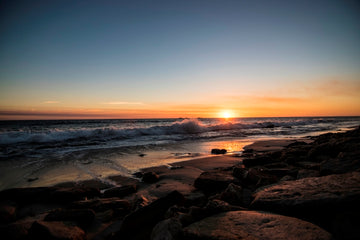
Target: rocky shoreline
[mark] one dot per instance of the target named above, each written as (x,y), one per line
(308,189)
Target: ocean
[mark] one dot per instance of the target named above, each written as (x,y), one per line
(46,152)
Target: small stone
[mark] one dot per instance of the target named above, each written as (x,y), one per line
(218,151)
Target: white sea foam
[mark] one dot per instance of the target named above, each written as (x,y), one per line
(181,129)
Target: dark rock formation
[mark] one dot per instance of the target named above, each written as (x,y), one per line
(48,194)
(55,231)
(120,191)
(102,204)
(7,212)
(213,181)
(82,217)
(253,225)
(147,217)
(312,198)
(150,177)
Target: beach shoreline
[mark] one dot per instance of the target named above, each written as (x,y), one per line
(292,181)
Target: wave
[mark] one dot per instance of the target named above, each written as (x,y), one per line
(184,127)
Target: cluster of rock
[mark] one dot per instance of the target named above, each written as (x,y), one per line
(305,191)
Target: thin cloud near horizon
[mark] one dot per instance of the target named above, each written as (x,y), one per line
(124,103)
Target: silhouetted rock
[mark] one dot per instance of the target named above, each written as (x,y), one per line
(312,198)
(169,229)
(316,192)
(102,204)
(260,160)
(150,177)
(236,225)
(305,173)
(147,217)
(15,230)
(83,217)
(7,212)
(120,191)
(48,194)
(218,151)
(233,194)
(344,162)
(55,231)
(213,181)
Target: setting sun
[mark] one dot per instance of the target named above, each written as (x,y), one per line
(226,114)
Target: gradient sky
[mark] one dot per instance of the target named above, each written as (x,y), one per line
(149,59)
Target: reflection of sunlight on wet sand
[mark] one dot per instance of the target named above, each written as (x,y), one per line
(178,153)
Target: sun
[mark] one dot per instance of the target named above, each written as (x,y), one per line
(226,114)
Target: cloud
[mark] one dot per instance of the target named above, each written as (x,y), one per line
(124,103)
(51,102)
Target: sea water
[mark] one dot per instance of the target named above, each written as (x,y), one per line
(53,151)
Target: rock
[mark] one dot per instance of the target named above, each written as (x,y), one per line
(195,199)
(63,195)
(296,144)
(278,172)
(240,172)
(169,229)
(7,212)
(140,201)
(218,151)
(344,162)
(216,206)
(305,173)
(147,217)
(55,231)
(321,192)
(213,181)
(233,194)
(150,177)
(313,198)
(48,194)
(255,178)
(120,191)
(83,217)
(102,204)
(287,178)
(308,165)
(253,225)
(15,230)
(263,159)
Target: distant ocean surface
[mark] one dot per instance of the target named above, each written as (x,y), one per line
(97,148)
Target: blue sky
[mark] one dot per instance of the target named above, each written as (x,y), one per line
(83,54)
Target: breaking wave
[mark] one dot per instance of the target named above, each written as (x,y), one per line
(181,128)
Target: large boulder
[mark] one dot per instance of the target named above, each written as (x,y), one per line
(322,200)
(253,225)
(315,192)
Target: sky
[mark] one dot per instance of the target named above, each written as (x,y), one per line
(158,59)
